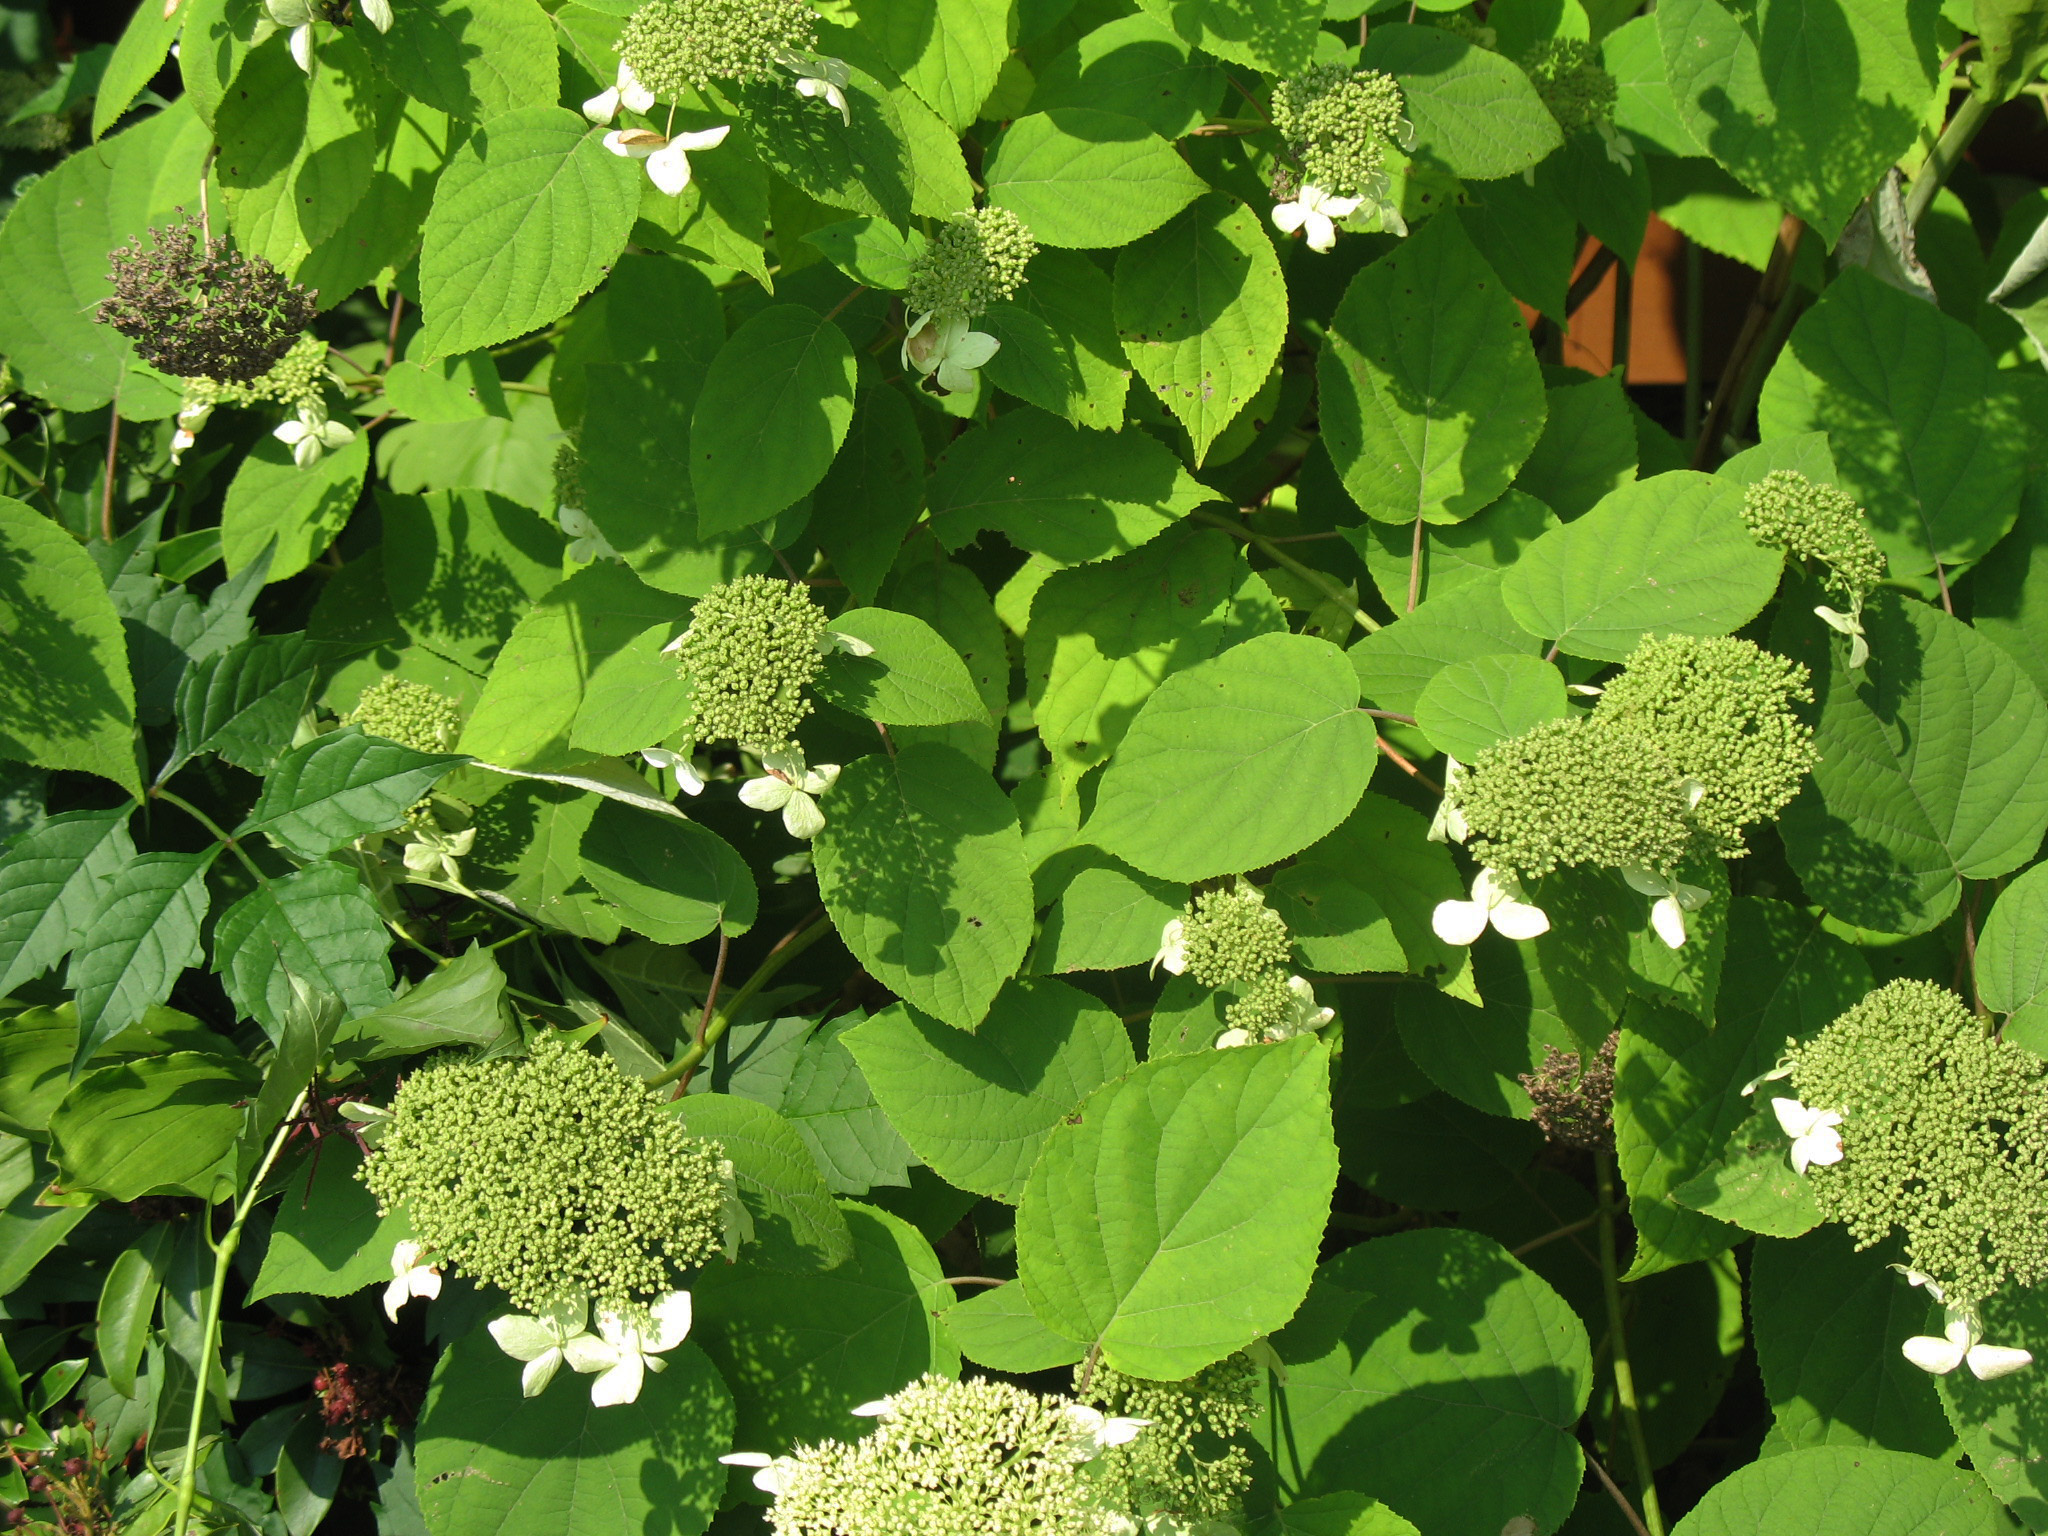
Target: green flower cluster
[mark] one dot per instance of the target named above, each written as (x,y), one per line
(1944,1136)
(976,259)
(674,46)
(293,380)
(1719,712)
(751,649)
(1574,85)
(568,475)
(1692,742)
(1339,122)
(411,714)
(948,1458)
(1230,937)
(1810,521)
(1572,792)
(1183,1463)
(1266,1007)
(551,1177)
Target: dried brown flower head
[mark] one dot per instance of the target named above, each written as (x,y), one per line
(197,308)
(1572,1103)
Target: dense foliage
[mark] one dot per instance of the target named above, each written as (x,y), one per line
(912,767)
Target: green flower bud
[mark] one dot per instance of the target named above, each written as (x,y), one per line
(1719,711)
(294,381)
(411,714)
(1338,122)
(675,46)
(1816,522)
(552,1177)
(1574,85)
(1572,792)
(1944,1137)
(1231,937)
(948,1458)
(1183,1464)
(975,260)
(751,649)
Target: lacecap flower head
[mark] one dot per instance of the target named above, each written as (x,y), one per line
(1943,1135)
(1186,1464)
(752,648)
(1822,523)
(1226,937)
(1338,123)
(1578,90)
(976,259)
(950,1458)
(294,381)
(554,1177)
(199,308)
(671,47)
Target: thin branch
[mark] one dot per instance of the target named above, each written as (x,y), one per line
(859,289)
(1770,294)
(391,331)
(1393,715)
(1583,286)
(710,1002)
(113,446)
(1415,566)
(1628,1509)
(970,1280)
(1393,755)
(1567,1230)
(787,948)
(1315,578)
(1617,1337)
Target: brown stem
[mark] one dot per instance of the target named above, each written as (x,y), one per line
(391,331)
(1394,756)
(113,446)
(859,289)
(970,1280)
(1635,1520)
(710,1003)
(1415,566)
(1388,714)
(1941,581)
(1582,288)
(1770,294)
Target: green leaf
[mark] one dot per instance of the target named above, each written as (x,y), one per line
(317,924)
(650,309)
(52,247)
(1060,349)
(868,165)
(537,684)
(1668,555)
(1277,38)
(1807,104)
(2012,960)
(1051,489)
(1588,447)
(1083,178)
(1431,398)
(294,513)
(1136,66)
(128,1306)
(773,411)
(1752,1183)
(635,698)
(328,1239)
(164,1124)
(243,704)
(2000,1422)
(1152,1223)
(870,251)
(52,879)
(797,1227)
(1101,640)
(997,1328)
(670,879)
(825,1095)
(463,567)
(1470,705)
(1645,109)
(1361,899)
(1106,918)
(921,865)
(472,59)
(1337,1514)
(636,479)
(527,218)
(800,1350)
(1837,1490)
(485,1458)
(141,937)
(340,786)
(1480,1054)
(1475,114)
(140,53)
(1201,308)
(1237,762)
(947,51)
(1678,1081)
(1926,434)
(1829,1320)
(66,699)
(912,676)
(870,497)
(1930,771)
(1435,1372)
(977,1108)
(461,1004)
(453,389)
(1464,623)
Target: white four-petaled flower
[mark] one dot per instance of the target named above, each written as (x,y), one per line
(668,159)
(622,1352)
(409,1277)
(1496,899)
(542,1342)
(1815,1139)
(1961,1342)
(310,434)
(817,76)
(1674,899)
(627,92)
(1316,211)
(945,351)
(791,788)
